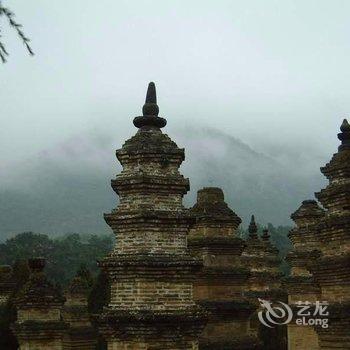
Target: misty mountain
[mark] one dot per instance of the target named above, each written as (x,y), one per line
(67,188)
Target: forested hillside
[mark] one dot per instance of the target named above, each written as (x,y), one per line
(67,254)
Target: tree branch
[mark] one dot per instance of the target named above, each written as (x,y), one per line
(4,11)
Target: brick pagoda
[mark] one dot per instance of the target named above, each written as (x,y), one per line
(39,305)
(301,285)
(332,269)
(219,286)
(151,300)
(80,334)
(261,257)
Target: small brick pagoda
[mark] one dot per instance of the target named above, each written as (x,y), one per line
(332,268)
(264,282)
(7,283)
(219,286)
(151,300)
(262,258)
(301,285)
(39,322)
(80,334)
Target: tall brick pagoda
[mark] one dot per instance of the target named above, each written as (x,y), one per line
(39,305)
(80,334)
(301,285)
(151,273)
(332,269)
(219,286)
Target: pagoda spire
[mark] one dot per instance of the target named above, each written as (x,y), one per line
(150,110)
(253,229)
(344,135)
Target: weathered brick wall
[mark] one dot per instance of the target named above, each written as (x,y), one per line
(213,230)
(156,295)
(152,240)
(302,338)
(157,201)
(189,345)
(221,329)
(51,344)
(35,314)
(217,291)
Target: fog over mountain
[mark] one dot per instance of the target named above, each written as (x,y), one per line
(254,90)
(66,188)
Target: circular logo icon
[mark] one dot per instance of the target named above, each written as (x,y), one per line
(270,315)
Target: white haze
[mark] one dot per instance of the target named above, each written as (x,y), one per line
(271,74)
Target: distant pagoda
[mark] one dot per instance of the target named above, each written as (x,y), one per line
(219,286)
(261,257)
(332,268)
(301,285)
(264,282)
(39,305)
(80,334)
(151,300)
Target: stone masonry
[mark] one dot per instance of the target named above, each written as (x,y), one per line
(151,303)
(80,334)
(220,285)
(39,324)
(264,282)
(301,285)
(262,259)
(332,268)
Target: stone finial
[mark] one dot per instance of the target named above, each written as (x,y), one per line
(150,107)
(253,229)
(150,110)
(265,236)
(344,136)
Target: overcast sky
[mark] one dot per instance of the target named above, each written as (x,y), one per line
(274,74)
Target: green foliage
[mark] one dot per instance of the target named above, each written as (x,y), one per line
(65,255)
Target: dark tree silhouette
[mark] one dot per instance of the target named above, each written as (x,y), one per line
(6,13)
